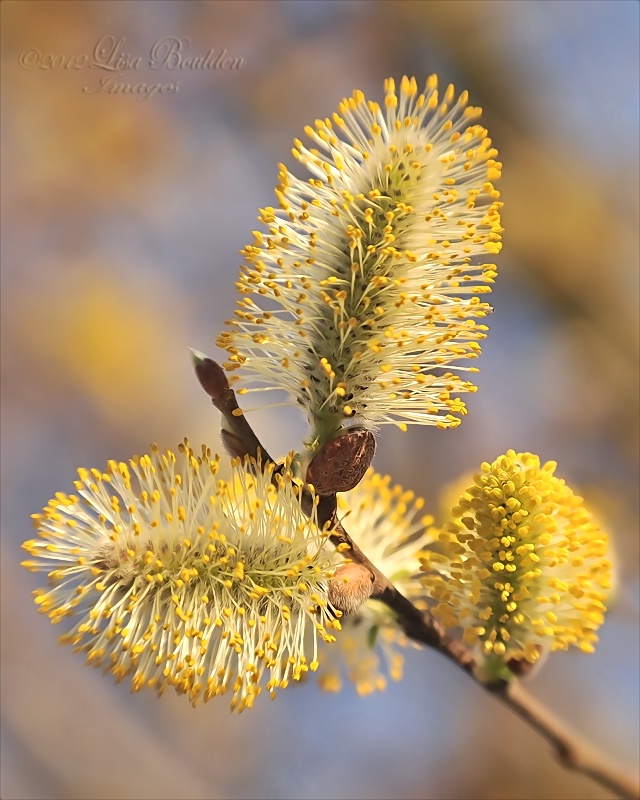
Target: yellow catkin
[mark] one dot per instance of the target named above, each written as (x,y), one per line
(525,566)
(408,189)
(166,568)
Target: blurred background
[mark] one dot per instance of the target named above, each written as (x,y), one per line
(122,220)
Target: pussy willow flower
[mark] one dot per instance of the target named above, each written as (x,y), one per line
(525,567)
(364,291)
(385,521)
(178,578)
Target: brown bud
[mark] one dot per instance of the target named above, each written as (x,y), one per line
(350,587)
(211,376)
(341,463)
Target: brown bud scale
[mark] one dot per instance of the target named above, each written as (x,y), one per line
(350,587)
(340,464)
(212,378)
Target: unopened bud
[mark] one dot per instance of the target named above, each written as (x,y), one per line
(341,463)
(350,587)
(211,375)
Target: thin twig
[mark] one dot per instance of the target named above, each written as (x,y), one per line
(570,749)
(420,626)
